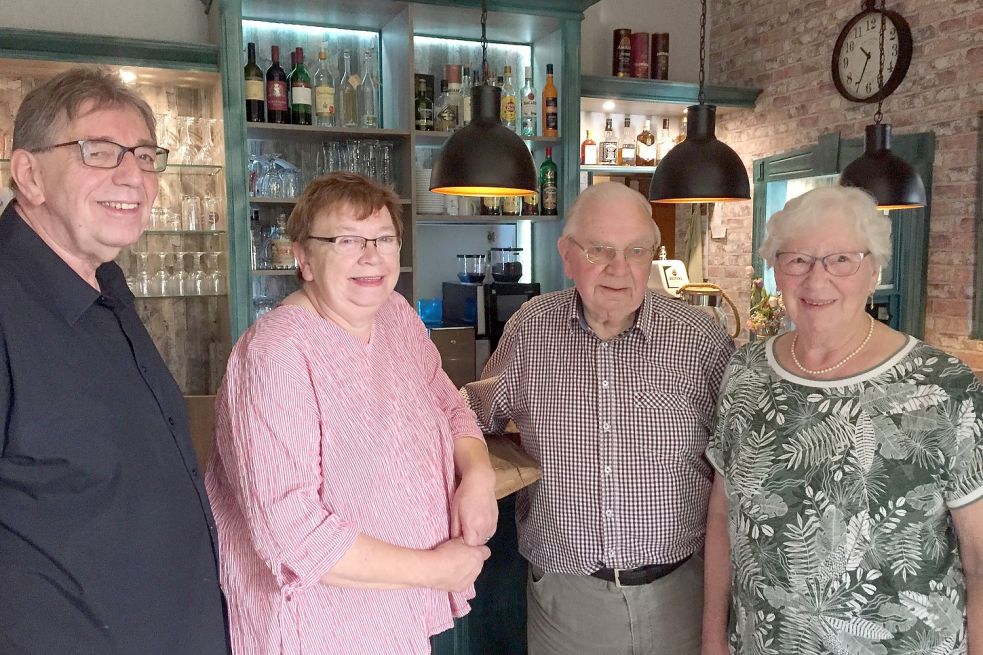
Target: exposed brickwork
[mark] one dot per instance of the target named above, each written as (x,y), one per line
(784,47)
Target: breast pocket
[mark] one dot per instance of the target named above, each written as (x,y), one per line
(666,406)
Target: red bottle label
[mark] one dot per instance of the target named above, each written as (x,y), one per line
(276,96)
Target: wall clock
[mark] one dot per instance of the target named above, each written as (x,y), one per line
(856,55)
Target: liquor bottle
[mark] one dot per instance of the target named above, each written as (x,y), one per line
(348,84)
(588,151)
(548,177)
(626,148)
(255,96)
(528,115)
(645,153)
(466,108)
(511,205)
(423,106)
(300,85)
(551,119)
(368,93)
(682,128)
(324,89)
(281,249)
(277,110)
(456,98)
(508,100)
(608,147)
(491,206)
(445,113)
(663,143)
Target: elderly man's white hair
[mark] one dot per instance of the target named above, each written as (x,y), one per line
(600,197)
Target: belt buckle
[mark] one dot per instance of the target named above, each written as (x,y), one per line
(617,578)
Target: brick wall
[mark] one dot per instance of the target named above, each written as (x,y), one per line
(784,48)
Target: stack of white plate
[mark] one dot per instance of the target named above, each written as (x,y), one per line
(427,201)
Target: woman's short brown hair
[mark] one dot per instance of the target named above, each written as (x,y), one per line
(337,192)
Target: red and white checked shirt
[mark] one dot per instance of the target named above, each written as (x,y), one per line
(618,426)
(318,437)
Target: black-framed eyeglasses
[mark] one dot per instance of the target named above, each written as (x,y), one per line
(99,153)
(604,254)
(350,244)
(840,264)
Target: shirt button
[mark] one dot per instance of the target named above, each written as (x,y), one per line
(606,427)
(604,384)
(143,369)
(170,421)
(604,344)
(609,513)
(607,470)
(611,552)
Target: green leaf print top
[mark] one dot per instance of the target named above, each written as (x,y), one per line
(838,500)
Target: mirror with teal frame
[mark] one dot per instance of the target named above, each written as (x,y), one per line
(900,297)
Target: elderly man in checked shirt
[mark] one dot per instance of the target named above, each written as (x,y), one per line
(613,389)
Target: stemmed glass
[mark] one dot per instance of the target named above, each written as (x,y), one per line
(215,282)
(158,283)
(142,278)
(185,153)
(255,171)
(197,279)
(179,281)
(206,154)
(270,184)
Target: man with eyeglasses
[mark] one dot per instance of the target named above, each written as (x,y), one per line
(107,541)
(613,389)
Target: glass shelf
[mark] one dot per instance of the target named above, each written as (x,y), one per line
(277,131)
(274,271)
(620,171)
(197,295)
(264,200)
(181,169)
(426,138)
(182,232)
(482,219)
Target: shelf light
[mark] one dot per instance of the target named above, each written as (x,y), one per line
(608,105)
(308,29)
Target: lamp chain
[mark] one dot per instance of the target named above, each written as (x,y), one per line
(703,39)
(880,67)
(484,42)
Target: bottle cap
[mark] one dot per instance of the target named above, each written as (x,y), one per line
(529,71)
(508,71)
(453,73)
(300,55)
(549,69)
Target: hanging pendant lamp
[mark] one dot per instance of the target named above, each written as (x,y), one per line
(485,158)
(701,168)
(892,181)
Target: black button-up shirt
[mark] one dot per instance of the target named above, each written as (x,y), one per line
(107,541)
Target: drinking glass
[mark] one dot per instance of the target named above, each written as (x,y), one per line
(353,159)
(254,170)
(369,149)
(196,281)
(321,160)
(215,280)
(185,152)
(270,185)
(386,171)
(159,282)
(179,282)
(293,182)
(210,213)
(162,124)
(206,154)
(334,156)
(158,218)
(191,218)
(142,278)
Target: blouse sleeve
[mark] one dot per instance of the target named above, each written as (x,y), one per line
(268,437)
(965,466)
(716,448)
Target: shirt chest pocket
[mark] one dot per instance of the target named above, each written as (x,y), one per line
(666,406)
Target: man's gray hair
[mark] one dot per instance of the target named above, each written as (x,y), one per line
(60,100)
(806,214)
(607,193)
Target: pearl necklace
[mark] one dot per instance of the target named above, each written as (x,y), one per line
(840,363)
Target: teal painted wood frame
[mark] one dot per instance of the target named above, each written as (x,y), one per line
(978,313)
(567,9)
(909,234)
(89,49)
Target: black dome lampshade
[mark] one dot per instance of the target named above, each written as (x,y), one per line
(484,158)
(892,181)
(701,168)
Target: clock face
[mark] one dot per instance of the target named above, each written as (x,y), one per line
(856,57)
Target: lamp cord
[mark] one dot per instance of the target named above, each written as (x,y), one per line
(880,67)
(703,39)
(484,42)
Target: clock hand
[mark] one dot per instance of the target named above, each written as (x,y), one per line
(865,52)
(863,70)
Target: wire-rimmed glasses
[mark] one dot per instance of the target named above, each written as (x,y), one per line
(839,264)
(600,253)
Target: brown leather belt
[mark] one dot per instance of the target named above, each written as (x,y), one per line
(641,575)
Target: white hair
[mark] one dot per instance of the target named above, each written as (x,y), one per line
(607,193)
(808,212)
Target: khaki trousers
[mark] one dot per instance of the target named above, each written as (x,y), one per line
(583,615)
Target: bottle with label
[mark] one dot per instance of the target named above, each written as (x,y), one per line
(588,151)
(626,148)
(255,94)
(682,128)
(491,206)
(368,94)
(663,143)
(511,205)
(300,92)
(281,250)
(466,108)
(277,110)
(257,258)
(348,84)
(508,116)
(548,180)
(456,98)
(608,147)
(551,104)
(621,59)
(324,89)
(445,113)
(423,107)
(290,78)
(528,114)
(645,152)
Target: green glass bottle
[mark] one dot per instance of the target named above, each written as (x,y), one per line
(300,92)
(547,185)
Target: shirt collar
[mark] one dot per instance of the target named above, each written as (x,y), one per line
(643,317)
(28,258)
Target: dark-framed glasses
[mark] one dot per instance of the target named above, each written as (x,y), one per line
(604,254)
(349,244)
(99,153)
(840,264)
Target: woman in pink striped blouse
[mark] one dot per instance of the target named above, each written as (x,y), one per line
(339,440)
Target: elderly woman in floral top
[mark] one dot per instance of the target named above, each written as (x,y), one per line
(844,516)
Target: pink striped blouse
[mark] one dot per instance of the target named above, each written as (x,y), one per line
(320,436)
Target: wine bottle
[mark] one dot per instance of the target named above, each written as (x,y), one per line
(300,86)
(349,102)
(548,176)
(255,96)
(551,120)
(324,90)
(277,110)
(645,146)
(529,116)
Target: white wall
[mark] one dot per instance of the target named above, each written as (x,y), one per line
(180,21)
(681,18)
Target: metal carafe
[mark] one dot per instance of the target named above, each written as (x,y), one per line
(711,298)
